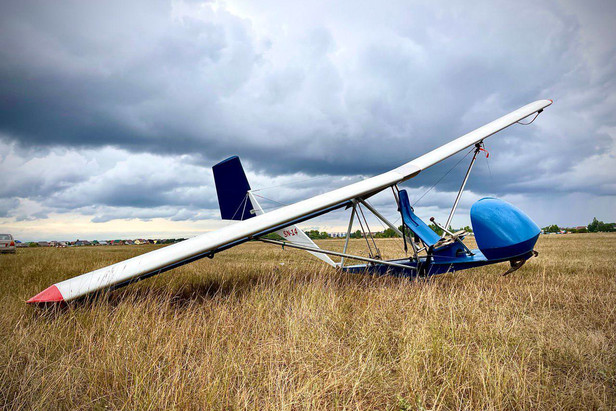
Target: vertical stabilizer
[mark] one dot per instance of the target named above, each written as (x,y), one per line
(232,189)
(236,202)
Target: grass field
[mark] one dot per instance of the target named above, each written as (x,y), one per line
(244,331)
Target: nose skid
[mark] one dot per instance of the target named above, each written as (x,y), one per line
(502,231)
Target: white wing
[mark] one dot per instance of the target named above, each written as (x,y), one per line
(204,245)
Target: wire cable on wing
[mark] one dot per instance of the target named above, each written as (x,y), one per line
(267,199)
(443,176)
(530,122)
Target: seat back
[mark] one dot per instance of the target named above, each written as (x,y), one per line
(414,223)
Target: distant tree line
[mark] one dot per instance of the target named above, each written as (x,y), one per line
(595,227)
(599,226)
(317,235)
(551,229)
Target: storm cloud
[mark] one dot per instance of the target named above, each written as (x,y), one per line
(116,110)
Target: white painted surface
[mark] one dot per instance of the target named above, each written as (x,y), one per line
(158,259)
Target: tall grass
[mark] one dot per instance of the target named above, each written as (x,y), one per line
(244,331)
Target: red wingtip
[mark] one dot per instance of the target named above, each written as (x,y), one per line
(48,295)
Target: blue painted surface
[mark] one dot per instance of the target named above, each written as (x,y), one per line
(428,267)
(414,223)
(232,187)
(452,250)
(502,231)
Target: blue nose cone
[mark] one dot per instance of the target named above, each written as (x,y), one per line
(502,231)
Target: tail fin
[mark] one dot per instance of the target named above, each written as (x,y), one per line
(232,189)
(238,203)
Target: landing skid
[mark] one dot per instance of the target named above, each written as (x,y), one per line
(517,264)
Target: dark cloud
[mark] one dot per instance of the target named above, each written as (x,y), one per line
(299,91)
(7,205)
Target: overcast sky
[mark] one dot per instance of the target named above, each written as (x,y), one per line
(112,113)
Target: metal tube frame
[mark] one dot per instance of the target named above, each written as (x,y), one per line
(468,172)
(468,250)
(348,235)
(367,232)
(320,250)
(390,224)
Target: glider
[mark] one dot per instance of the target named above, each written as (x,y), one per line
(503,233)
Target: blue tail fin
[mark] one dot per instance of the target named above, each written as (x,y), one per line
(232,190)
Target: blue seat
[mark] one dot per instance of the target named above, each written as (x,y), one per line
(414,223)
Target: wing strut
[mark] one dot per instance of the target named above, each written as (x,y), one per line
(367,233)
(379,216)
(478,148)
(348,234)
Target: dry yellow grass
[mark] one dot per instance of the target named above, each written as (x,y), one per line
(243,331)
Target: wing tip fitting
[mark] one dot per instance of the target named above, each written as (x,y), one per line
(48,295)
